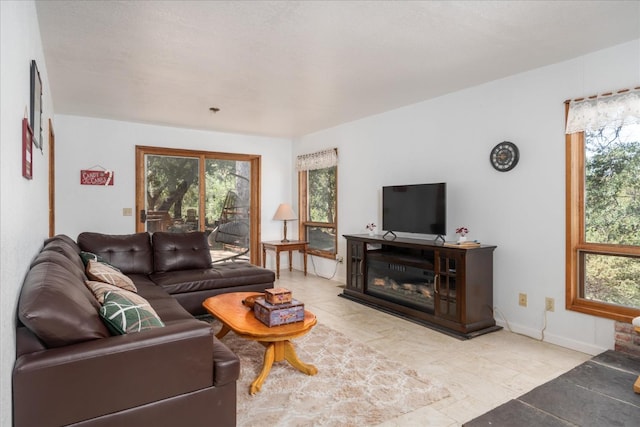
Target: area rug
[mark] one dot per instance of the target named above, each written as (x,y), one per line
(355,385)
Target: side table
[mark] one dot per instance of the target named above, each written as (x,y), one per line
(278,246)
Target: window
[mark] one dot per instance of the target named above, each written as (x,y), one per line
(603,207)
(317,196)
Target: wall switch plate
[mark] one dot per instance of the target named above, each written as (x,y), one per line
(549,304)
(522,300)
(127,211)
(339,258)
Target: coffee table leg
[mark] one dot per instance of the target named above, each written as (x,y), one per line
(269,357)
(224,331)
(292,357)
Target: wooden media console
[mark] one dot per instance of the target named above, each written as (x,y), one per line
(447,288)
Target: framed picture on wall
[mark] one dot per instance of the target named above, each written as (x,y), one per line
(36,105)
(27,149)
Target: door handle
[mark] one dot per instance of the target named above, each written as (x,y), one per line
(143,215)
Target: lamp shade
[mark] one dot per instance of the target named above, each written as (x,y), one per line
(285,213)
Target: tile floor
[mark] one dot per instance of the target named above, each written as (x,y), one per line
(481,373)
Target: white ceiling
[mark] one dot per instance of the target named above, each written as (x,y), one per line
(289,68)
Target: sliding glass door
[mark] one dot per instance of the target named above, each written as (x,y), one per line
(185,191)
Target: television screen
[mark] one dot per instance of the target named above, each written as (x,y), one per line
(420,208)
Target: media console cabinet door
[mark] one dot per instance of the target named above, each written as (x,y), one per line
(355,266)
(448,265)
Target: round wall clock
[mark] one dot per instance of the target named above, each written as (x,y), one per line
(504,156)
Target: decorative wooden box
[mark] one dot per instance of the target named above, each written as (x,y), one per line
(278,296)
(278,314)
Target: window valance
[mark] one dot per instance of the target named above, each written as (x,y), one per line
(597,111)
(319,160)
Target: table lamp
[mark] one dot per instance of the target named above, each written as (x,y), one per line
(285,213)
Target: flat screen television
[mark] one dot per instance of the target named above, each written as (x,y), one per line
(418,208)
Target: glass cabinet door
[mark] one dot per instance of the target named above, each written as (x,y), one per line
(446,289)
(355,266)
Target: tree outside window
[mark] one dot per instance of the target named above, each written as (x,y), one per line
(612,214)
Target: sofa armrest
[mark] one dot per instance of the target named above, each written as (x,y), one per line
(226,362)
(89,379)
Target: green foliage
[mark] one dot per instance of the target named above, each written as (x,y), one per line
(173,185)
(223,177)
(612,213)
(170,183)
(322,194)
(322,199)
(613,279)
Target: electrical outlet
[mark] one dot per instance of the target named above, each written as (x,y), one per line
(339,258)
(549,304)
(522,300)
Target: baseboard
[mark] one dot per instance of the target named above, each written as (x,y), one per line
(565,342)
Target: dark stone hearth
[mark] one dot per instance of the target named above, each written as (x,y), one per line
(597,393)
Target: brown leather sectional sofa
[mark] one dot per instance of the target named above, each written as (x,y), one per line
(70,370)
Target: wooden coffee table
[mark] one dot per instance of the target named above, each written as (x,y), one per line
(236,317)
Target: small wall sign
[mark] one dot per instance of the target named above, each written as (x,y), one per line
(96,177)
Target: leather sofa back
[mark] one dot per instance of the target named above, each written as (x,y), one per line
(131,253)
(66,249)
(58,308)
(180,251)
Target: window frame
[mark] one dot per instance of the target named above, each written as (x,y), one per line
(304,223)
(575,237)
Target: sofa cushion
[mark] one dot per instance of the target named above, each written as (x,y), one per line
(66,249)
(58,308)
(60,259)
(64,238)
(131,253)
(223,275)
(180,251)
(106,273)
(123,316)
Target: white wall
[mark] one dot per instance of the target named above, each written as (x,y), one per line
(24,209)
(522,211)
(83,142)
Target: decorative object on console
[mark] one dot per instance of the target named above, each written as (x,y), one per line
(285,213)
(467,244)
(504,156)
(371,227)
(462,231)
